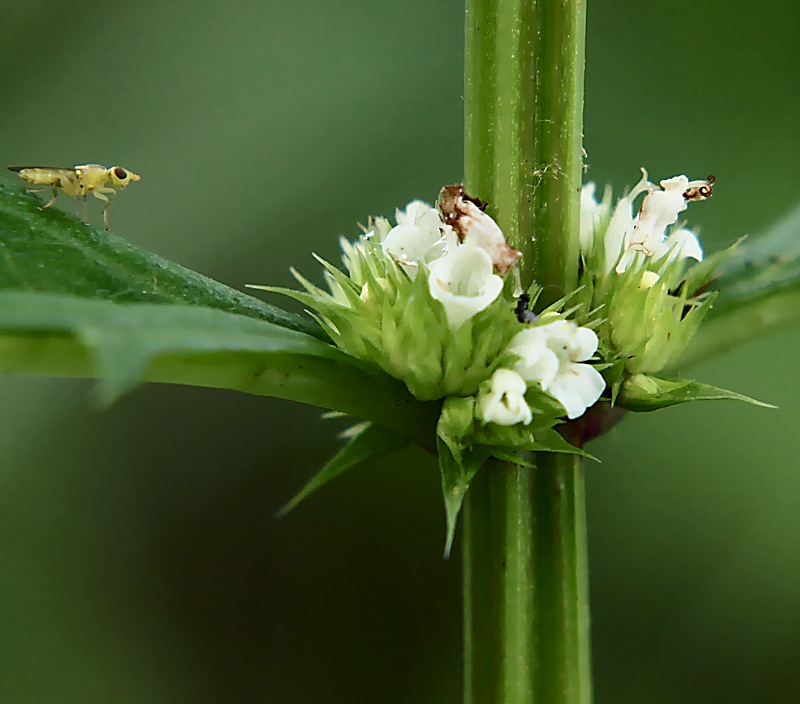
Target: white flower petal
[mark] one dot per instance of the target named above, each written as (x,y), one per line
(584,345)
(476,228)
(419,236)
(681,244)
(570,342)
(592,212)
(576,388)
(620,227)
(505,403)
(507,381)
(463,282)
(408,243)
(660,209)
(677,184)
(414,211)
(537,363)
(630,257)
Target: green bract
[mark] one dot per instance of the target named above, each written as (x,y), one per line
(379,313)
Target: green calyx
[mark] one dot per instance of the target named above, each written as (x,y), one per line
(381,313)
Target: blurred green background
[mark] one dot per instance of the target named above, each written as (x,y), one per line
(140,560)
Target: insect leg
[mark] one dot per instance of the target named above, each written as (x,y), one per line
(85,217)
(98,194)
(52,200)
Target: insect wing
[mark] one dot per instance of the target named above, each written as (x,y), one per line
(17,169)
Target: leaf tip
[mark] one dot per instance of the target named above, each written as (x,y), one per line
(109,390)
(284,510)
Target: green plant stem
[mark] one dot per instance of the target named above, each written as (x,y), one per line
(524,128)
(526,585)
(525,554)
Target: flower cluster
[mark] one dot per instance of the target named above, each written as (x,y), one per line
(435,301)
(637,270)
(626,237)
(430,300)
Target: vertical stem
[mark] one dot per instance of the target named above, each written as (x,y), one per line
(526,587)
(526,597)
(524,127)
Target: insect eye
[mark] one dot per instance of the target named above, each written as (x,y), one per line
(120,173)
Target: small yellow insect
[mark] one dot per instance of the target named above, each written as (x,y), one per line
(78,182)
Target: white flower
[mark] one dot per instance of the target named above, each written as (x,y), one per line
(550,355)
(419,236)
(621,225)
(474,227)
(463,282)
(505,403)
(419,213)
(660,209)
(592,213)
(681,244)
(537,362)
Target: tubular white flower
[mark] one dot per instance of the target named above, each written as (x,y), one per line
(463,282)
(482,231)
(505,403)
(592,212)
(475,227)
(537,362)
(419,213)
(660,209)
(621,224)
(420,235)
(576,388)
(550,355)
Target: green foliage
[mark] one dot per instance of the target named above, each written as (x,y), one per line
(125,343)
(759,292)
(75,301)
(49,250)
(366,441)
(642,392)
(464,445)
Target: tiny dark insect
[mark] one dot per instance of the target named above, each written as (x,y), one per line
(521,310)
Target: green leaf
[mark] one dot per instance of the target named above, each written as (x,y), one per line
(759,293)
(641,392)
(125,343)
(457,473)
(543,440)
(458,459)
(369,442)
(51,251)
